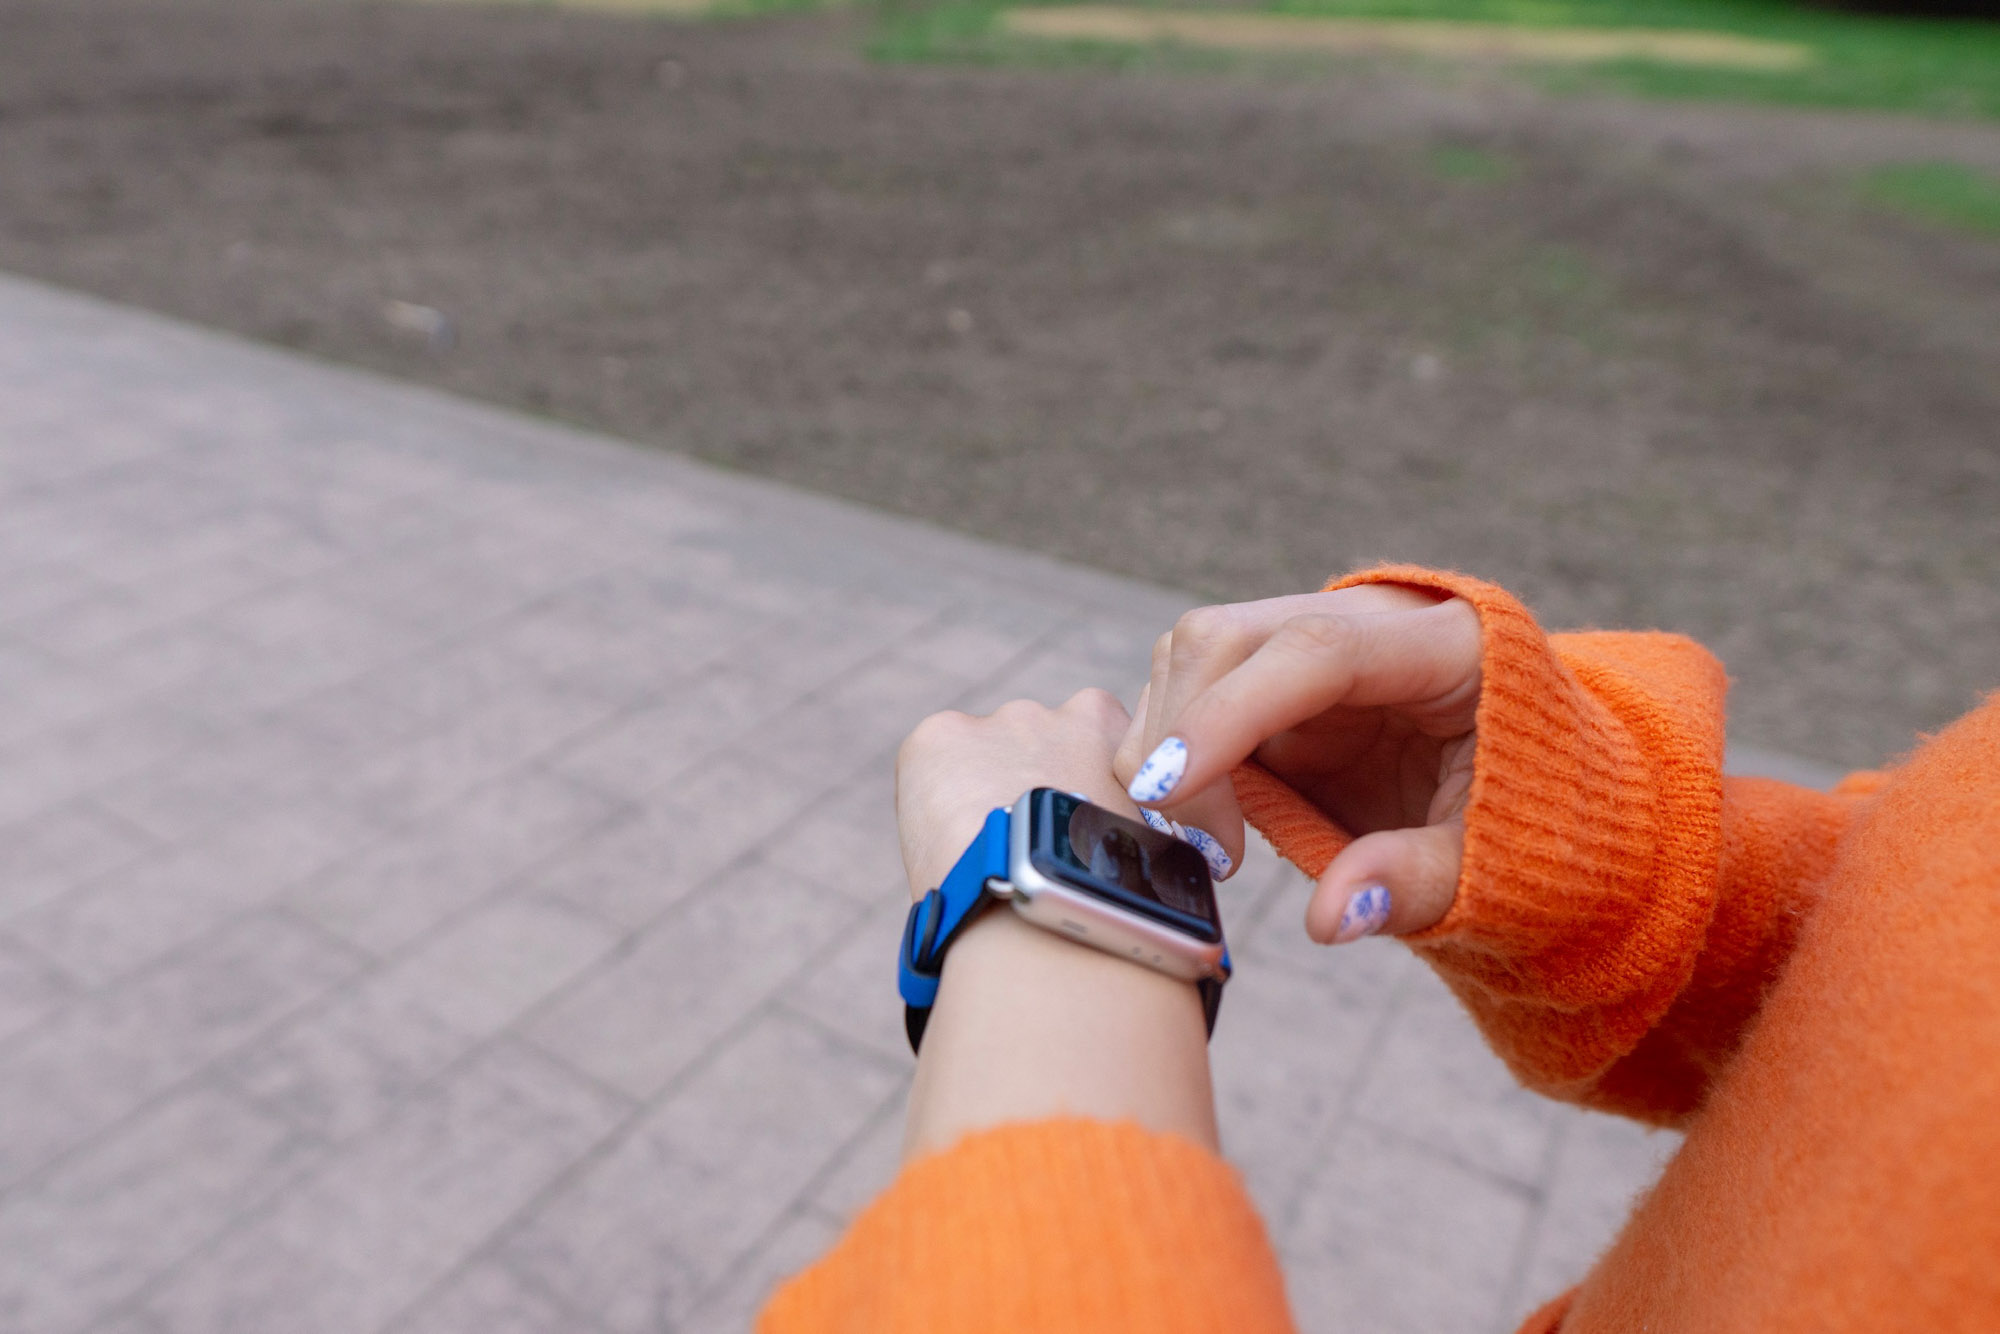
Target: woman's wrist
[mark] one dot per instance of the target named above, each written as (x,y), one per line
(1029,1025)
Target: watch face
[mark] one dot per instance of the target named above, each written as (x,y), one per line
(1122,861)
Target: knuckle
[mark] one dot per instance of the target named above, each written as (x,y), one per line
(1017,711)
(1202,630)
(1317,633)
(1094,700)
(930,729)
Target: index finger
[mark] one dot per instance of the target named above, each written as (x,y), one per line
(1207,643)
(1426,660)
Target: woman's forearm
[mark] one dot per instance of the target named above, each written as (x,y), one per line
(1029,1025)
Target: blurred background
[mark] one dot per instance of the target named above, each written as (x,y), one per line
(354,734)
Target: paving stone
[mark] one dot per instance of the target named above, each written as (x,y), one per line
(1393,1237)
(348,1065)
(43,857)
(362,524)
(175,667)
(1123,641)
(851,988)
(1602,1166)
(148,500)
(442,591)
(129,917)
(1438,1083)
(812,647)
(674,614)
(309,612)
(1050,678)
(108,1054)
(867,1164)
(113,615)
(31,989)
(129,1322)
(1276,933)
(572,640)
(628,665)
(849,841)
(49,768)
(42,693)
(643,1017)
(91,1235)
(489,1298)
(390,1215)
(499,963)
(509,733)
(629,872)
(1250,897)
(733,1305)
(855,720)
(44,587)
(351,720)
(643,751)
(979,642)
(1286,1057)
(281,543)
(442,684)
(399,890)
(251,772)
(728,1149)
(248,683)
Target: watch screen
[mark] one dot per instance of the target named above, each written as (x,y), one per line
(1139,868)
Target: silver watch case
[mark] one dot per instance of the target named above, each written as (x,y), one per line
(1092,921)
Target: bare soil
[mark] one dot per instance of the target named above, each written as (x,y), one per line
(1232,331)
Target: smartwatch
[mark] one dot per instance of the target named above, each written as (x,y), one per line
(1082,872)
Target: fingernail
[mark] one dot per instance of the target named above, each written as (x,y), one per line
(1366,913)
(1156,820)
(1211,851)
(1161,773)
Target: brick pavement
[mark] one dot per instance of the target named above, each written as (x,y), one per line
(447,881)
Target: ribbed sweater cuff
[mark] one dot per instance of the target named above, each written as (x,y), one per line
(1591,834)
(1048,1226)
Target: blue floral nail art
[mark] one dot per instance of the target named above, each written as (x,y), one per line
(1219,864)
(1156,820)
(1161,773)
(1367,913)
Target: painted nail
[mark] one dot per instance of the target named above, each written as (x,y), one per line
(1161,773)
(1219,864)
(1367,913)
(1156,820)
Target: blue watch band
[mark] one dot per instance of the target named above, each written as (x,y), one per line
(937,919)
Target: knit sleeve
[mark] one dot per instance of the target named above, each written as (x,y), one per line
(1059,1227)
(1622,906)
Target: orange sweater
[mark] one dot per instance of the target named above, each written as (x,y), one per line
(1808,984)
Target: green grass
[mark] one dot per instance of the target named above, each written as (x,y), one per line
(967,32)
(1457,162)
(1941,193)
(1933,67)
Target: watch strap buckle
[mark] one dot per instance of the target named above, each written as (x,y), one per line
(936,919)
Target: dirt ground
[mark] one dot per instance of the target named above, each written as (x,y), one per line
(1227,330)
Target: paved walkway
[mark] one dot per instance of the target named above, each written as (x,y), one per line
(448,883)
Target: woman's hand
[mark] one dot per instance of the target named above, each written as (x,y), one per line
(954,768)
(1363,700)
(1028,1024)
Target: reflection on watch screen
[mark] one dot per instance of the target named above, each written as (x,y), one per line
(1143,862)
